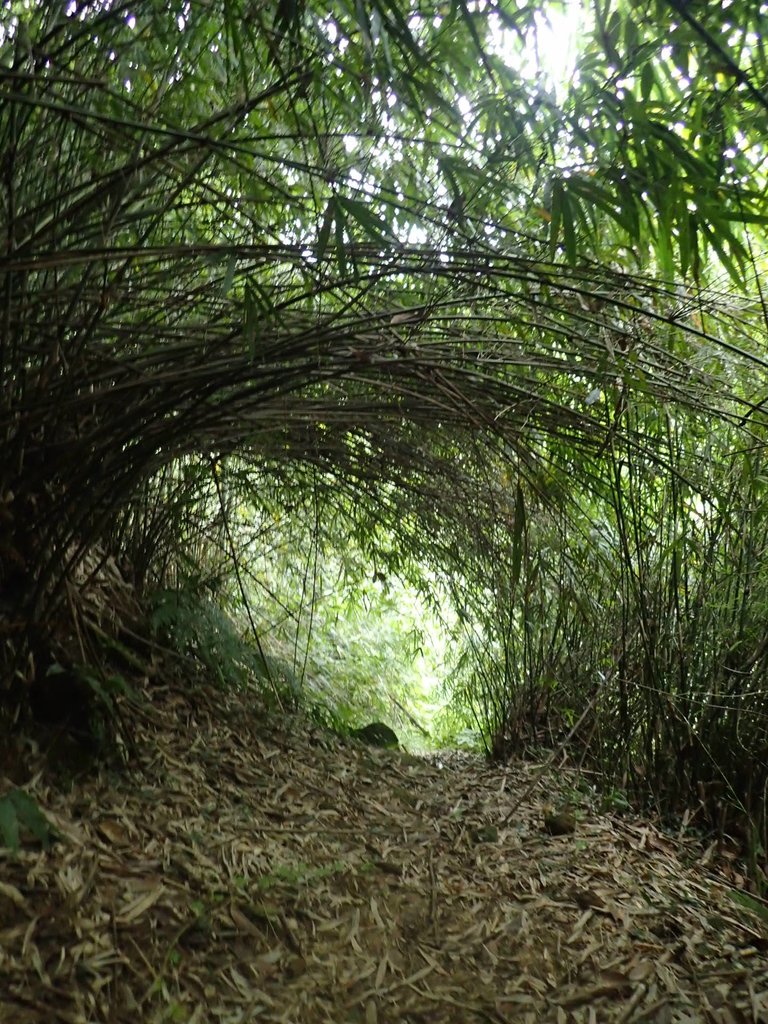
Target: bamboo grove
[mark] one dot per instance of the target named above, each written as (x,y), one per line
(374,270)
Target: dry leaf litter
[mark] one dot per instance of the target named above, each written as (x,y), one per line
(256,869)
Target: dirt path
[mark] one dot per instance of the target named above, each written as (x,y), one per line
(264,872)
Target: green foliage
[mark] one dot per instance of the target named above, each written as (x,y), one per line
(106,689)
(452,728)
(298,875)
(18,812)
(743,899)
(364,644)
(82,711)
(198,627)
(651,620)
(297,186)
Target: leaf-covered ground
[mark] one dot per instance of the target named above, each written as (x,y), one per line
(252,869)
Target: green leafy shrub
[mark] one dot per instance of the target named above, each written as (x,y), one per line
(197,626)
(20,813)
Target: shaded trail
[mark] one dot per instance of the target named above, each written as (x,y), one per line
(256,869)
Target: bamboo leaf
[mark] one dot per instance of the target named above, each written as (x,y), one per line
(9,824)
(647,81)
(229,276)
(518,534)
(30,815)
(556,216)
(568,206)
(288,15)
(373,225)
(341,253)
(250,320)
(325,229)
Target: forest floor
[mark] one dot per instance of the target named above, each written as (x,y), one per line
(251,868)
